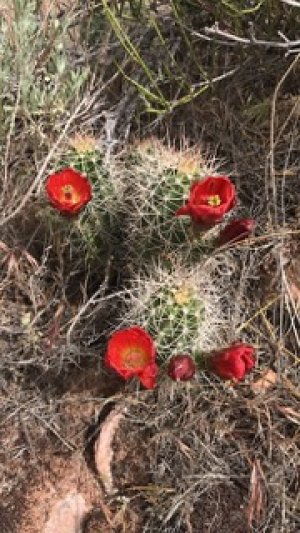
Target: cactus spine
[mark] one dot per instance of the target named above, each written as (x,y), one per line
(160,182)
(178,307)
(96,229)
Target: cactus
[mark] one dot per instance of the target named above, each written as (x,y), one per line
(160,181)
(178,307)
(95,231)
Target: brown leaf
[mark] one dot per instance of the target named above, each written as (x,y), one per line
(268,379)
(256,494)
(103,448)
(67,515)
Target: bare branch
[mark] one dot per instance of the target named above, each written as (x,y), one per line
(291,3)
(232,40)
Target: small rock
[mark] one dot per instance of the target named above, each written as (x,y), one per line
(268,379)
(67,515)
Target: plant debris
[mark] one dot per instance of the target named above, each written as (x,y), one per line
(103,448)
(267,380)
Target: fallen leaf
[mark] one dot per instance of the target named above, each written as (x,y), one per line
(103,448)
(268,379)
(67,515)
(256,494)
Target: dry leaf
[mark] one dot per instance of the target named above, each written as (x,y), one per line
(67,515)
(256,494)
(267,380)
(103,448)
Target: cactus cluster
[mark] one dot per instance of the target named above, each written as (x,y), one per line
(171,297)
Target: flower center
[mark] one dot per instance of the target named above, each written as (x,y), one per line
(134,357)
(214,200)
(83,144)
(182,296)
(69,194)
(188,165)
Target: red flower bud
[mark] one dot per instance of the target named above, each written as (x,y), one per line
(233,362)
(68,191)
(181,367)
(209,200)
(236,231)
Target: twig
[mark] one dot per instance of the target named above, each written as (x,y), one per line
(293,3)
(95,298)
(232,39)
(259,312)
(217,78)
(9,137)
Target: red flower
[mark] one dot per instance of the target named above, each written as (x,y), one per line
(131,352)
(181,367)
(233,362)
(210,199)
(68,191)
(236,231)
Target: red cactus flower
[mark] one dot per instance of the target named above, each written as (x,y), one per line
(131,352)
(236,231)
(209,200)
(68,191)
(181,367)
(233,362)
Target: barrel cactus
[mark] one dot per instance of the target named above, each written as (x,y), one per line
(95,232)
(179,307)
(160,179)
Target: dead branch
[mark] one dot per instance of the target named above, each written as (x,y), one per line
(224,37)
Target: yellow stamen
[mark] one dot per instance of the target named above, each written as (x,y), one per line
(189,165)
(182,296)
(70,194)
(214,200)
(134,358)
(83,144)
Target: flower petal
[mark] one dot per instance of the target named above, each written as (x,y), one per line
(130,352)
(199,205)
(149,375)
(236,231)
(233,362)
(184,210)
(79,185)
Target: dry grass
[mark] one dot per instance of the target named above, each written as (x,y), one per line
(206,444)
